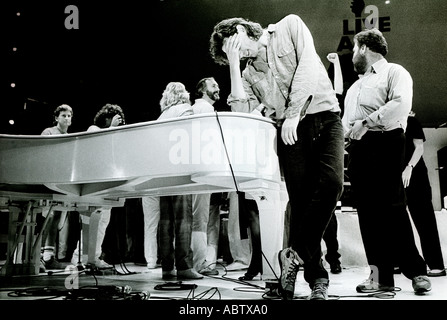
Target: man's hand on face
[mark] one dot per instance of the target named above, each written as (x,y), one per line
(232,47)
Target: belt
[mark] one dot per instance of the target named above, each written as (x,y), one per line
(388,132)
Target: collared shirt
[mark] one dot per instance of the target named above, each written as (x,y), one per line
(202,106)
(293,80)
(383,96)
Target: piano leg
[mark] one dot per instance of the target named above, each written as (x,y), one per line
(26,263)
(89,227)
(271,206)
(92,233)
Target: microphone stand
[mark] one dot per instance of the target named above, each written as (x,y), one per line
(79,265)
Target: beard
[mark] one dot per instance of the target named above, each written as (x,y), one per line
(213,95)
(360,64)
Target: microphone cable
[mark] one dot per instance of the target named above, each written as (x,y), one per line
(226,153)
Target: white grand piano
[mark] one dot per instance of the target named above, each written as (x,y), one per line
(206,153)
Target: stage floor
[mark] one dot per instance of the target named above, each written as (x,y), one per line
(224,286)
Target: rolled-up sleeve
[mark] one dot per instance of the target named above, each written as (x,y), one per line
(305,80)
(247,104)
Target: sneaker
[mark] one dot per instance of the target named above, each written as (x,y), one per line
(53,264)
(209,271)
(369,286)
(168,274)
(289,263)
(319,290)
(421,284)
(188,274)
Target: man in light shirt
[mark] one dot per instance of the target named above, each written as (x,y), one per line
(375,119)
(284,73)
(207,91)
(206,215)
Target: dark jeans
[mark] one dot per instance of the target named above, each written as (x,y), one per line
(419,201)
(175,232)
(248,209)
(313,173)
(375,171)
(331,241)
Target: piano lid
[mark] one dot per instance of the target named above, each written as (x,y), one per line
(201,153)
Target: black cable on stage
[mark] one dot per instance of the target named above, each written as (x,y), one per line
(107,292)
(175,286)
(45,292)
(179,285)
(202,295)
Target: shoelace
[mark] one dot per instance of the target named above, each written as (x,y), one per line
(319,289)
(292,271)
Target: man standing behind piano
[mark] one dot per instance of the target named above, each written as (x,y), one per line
(110,115)
(62,121)
(206,215)
(284,73)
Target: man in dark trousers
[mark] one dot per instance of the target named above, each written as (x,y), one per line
(285,79)
(419,197)
(375,118)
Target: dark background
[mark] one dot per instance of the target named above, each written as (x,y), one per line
(125,52)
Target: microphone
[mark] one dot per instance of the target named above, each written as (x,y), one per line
(441,125)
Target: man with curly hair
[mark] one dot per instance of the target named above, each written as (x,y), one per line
(285,77)
(110,115)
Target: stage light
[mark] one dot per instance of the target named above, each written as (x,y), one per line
(13,85)
(11,122)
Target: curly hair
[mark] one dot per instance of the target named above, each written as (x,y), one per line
(227,28)
(107,111)
(372,39)
(59,109)
(175,93)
